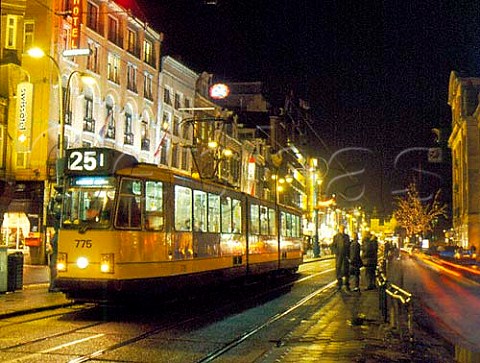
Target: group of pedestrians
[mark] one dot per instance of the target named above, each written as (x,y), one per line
(350,257)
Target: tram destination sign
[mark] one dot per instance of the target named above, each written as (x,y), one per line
(96,161)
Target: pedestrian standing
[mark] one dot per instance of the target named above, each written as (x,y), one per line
(370,258)
(341,249)
(52,261)
(355,262)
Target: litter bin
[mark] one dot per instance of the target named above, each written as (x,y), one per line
(15,271)
(3,269)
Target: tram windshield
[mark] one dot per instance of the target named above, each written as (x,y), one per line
(88,202)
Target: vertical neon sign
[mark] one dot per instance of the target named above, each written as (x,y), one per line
(76,21)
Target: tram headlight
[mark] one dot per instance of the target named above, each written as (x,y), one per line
(62,262)
(106,263)
(82,262)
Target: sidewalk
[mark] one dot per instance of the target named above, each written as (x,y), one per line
(350,328)
(34,296)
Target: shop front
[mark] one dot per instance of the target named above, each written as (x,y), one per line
(21,228)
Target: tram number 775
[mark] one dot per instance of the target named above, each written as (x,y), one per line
(83,243)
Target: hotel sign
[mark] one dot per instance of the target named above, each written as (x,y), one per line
(24,115)
(76,21)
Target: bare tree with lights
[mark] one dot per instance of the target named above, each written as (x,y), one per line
(415,215)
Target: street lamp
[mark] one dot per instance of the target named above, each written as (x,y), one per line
(318,180)
(64,102)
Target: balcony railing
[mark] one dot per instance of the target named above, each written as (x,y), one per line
(89,124)
(110,134)
(145,144)
(128,139)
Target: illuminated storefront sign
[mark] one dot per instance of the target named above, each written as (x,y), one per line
(76,21)
(24,115)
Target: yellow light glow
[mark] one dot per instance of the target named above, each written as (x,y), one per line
(22,138)
(36,52)
(227,152)
(212,144)
(88,80)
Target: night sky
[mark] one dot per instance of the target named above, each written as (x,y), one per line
(375,74)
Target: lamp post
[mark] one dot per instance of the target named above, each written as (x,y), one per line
(318,180)
(63,102)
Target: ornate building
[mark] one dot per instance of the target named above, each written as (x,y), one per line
(464,141)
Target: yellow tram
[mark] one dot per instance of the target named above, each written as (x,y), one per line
(129,228)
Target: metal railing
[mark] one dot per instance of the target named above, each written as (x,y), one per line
(395,305)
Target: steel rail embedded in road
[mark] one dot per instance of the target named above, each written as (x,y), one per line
(246,335)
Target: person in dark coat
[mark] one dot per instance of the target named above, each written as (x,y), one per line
(341,249)
(355,262)
(370,258)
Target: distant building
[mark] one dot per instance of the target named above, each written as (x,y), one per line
(464,141)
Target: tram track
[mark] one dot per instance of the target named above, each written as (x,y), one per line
(200,317)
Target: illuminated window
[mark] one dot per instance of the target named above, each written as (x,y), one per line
(226,213)
(199,211)
(11,36)
(154,205)
(113,68)
(183,208)
(148,51)
(132,47)
(213,213)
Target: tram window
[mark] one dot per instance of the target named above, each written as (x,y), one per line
(288,226)
(199,211)
(237,216)
(272,222)
(263,221)
(213,213)
(296,226)
(226,205)
(154,205)
(254,219)
(128,211)
(283,224)
(183,208)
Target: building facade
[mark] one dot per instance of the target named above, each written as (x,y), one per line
(464,142)
(47,107)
